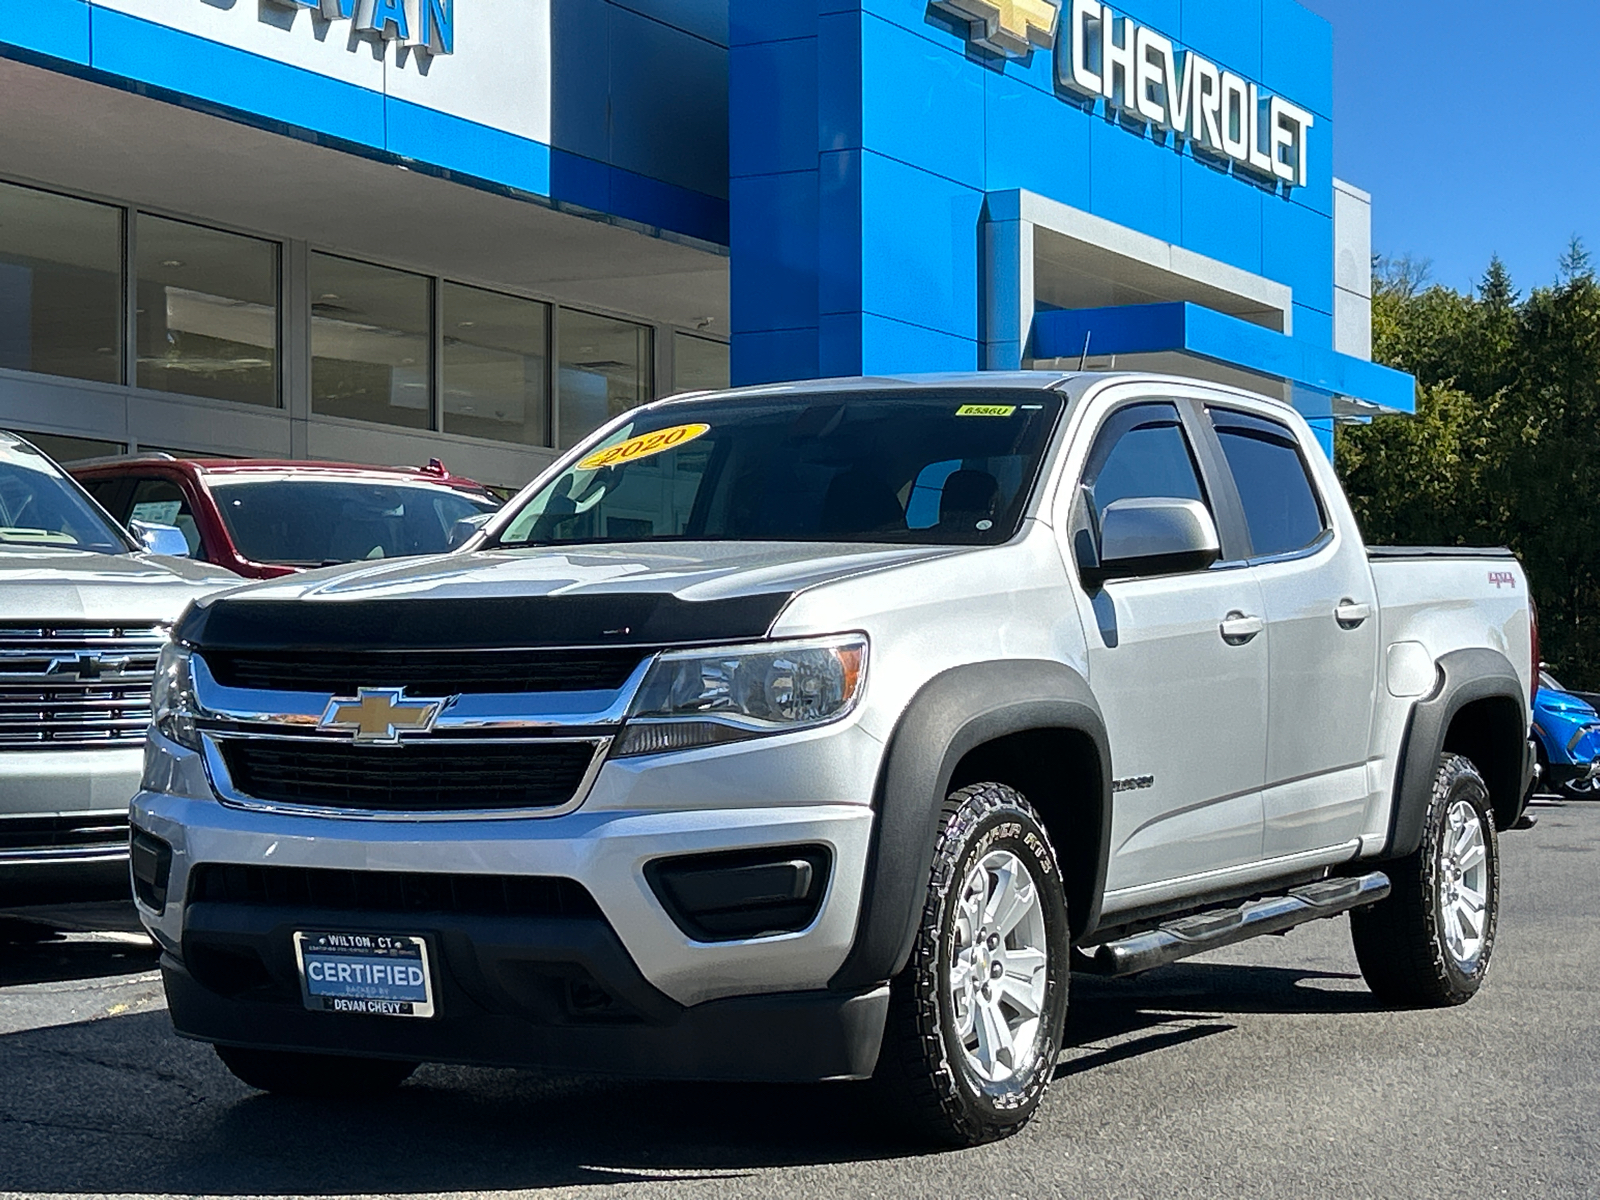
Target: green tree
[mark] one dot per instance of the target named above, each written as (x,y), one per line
(1505,445)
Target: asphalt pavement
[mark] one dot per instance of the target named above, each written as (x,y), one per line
(1265,1070)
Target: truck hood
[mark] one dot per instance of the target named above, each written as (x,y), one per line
(73,585)
(688,570)
(591,595)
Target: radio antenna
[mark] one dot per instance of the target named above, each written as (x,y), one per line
(1083,363)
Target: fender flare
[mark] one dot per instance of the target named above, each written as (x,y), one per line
(952,714)
(1465,677)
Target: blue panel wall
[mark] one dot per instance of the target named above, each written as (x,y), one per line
(876,124)
(639,111)
(59,28)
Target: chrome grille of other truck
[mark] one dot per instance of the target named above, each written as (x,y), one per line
(69,685)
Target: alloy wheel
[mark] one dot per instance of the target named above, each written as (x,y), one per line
(1463,884)
(999,968)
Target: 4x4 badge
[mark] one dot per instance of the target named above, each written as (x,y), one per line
(378,716)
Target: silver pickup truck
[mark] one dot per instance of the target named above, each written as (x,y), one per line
(84,612)
(820,732)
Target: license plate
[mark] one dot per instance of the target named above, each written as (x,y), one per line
(373,974)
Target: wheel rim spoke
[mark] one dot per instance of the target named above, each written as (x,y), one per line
(1012,899)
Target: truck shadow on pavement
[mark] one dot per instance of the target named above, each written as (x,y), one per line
(122,1106)
(35,953)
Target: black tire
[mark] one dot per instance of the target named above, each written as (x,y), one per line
(935,1093)
(1402,941)
(335,1076)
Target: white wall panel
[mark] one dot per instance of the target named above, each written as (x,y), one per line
(498,75)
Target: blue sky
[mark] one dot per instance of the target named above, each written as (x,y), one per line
(1473,125)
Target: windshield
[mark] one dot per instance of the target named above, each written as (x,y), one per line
(40,506)
(922,468)
(1548,681)
(315,522)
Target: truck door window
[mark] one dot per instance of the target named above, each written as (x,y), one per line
(1142,451)
(1281,506)
(162,502)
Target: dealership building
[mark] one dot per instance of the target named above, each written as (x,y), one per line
(390,230)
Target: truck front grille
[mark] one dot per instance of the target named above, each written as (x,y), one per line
(77,835)
(76,685)
(452,672)
(421,777)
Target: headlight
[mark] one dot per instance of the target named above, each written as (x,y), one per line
(173,700)
(703,697)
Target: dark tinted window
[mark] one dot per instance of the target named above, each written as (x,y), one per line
(1142,451)
(312,522)
(1280,504)
(927,468)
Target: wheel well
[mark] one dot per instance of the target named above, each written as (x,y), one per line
(1059,772)
(1491,733)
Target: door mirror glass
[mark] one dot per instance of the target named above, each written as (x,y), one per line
(1155,535)
(166,540)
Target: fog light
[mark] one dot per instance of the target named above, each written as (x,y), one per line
(152,867)
(742,894)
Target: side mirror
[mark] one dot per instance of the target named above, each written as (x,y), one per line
(1156,535)
(165,540)
(464,530)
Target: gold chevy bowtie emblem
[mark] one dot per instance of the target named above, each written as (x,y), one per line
(1012,28)
(381,715)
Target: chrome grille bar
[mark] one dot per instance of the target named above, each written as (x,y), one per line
(65,685)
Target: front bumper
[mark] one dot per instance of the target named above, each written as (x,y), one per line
(604,851)
(63,824)
(548,992)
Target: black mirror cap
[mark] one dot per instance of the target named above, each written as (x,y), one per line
(1185,563)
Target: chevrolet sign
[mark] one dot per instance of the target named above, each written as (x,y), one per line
(1144,77)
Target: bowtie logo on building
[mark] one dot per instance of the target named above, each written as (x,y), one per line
(378,716)
(1012,28)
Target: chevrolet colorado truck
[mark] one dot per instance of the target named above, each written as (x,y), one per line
(84,613)
(822,731)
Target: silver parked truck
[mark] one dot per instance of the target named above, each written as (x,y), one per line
(820,732)
(84,612)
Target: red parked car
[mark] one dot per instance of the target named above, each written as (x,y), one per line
(262,518)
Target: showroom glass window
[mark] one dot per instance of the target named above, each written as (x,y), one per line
(207,313)
(496,365)
(605,371)
(699,364)
(61,293)
(371,333)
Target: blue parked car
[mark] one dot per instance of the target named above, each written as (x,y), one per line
(1567,733)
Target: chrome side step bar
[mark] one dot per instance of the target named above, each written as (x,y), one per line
(1223,927)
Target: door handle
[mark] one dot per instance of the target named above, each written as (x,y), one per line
(1351,615)
(1238,629)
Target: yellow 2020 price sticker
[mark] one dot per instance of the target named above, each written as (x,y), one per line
(643,446)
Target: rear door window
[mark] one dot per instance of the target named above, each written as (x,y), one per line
(1281,506)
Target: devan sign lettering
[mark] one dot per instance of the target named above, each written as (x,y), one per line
(1145,77)
(428,25)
